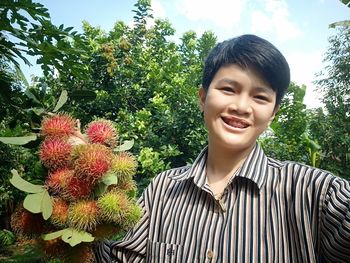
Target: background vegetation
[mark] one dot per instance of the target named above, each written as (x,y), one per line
(147,84)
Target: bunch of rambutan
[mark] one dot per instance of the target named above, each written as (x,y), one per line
(90,183)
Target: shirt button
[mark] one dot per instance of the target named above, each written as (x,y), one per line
(210,254)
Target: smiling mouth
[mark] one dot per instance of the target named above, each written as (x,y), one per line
(236,123)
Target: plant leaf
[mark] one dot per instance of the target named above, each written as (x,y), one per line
(23,185)
(46,205)
(54,235)
(32,202)
(62,100)
(67,234)
(18,140)
(80,236)
(127,145)
(100,189)
(74,237)
(109,179)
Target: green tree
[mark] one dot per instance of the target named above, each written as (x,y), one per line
(285,138)
(147,85)
(333,125)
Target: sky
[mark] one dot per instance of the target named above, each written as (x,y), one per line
(298,28)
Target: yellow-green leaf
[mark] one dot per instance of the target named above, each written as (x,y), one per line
(62,100)
(46,205)
(109,179)
(32,202)
(127,145)
(23,185)
(18,140)
(75,237)
(54,235)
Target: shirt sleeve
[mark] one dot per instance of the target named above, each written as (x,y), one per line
(133,247)
(335,225)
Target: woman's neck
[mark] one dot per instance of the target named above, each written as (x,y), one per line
(222,163)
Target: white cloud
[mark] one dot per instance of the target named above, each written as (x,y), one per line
(274,19)
(158,10)
(304,66)
(222,13)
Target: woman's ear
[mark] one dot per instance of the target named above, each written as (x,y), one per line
(202,95)
(273,115)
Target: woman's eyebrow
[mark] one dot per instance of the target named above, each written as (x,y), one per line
(264,89)
(228,81)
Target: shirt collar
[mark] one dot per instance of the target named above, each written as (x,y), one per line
(254,168)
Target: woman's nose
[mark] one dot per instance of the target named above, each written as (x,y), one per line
(241,105)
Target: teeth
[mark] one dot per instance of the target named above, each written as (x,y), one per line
(236,124)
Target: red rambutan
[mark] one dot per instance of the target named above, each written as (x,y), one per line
(102,131)
(83,215)
(55,152)
(58,180)
(78,187)
(59,214)
(92,161)
(58,125)
(25,223)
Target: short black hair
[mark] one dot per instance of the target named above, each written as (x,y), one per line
(250,52)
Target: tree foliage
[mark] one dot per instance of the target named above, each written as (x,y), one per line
(332,126)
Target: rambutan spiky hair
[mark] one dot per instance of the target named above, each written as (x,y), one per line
(58,180)
(59,216)
(113,206)
(55,152)
(102,131)
(92,161)
(78,188)
(124,166)
(58,125)
(27,224)
(83,215)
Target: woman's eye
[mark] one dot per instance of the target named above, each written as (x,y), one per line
(227,89)
(261,97)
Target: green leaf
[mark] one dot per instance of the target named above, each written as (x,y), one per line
(54,235)
(23,185)
(127,145)
(83,94)
(31,96)
(109,179)
(32,202)
(18,140)
(75,237)
(62,100)
(46,205)
(39,203)
(100,189)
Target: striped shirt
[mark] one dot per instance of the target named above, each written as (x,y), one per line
(271,211)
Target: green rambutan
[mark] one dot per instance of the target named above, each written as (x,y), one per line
(27,224)
(83,215)
(58,125)
(124,166)
(113,206)
(59,216)
(103,132)
(57,180)
(132,216)
(55,152)
(78,187)
(92,160)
